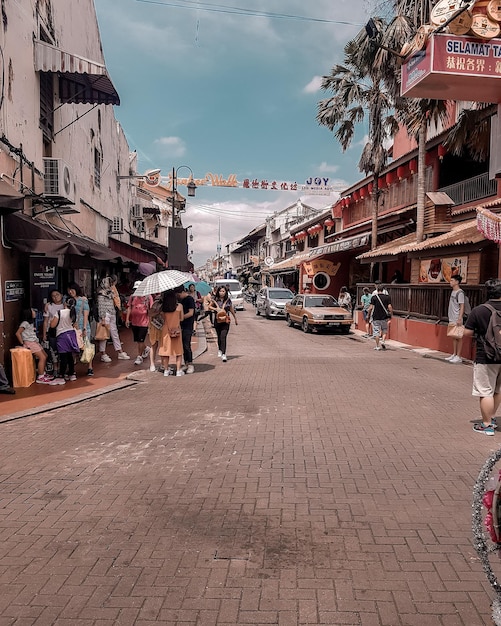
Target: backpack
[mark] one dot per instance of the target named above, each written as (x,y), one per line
(155,314)
(492,339)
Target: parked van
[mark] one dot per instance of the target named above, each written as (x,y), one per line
(235,289)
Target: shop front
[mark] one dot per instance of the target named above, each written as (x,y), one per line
(421,305)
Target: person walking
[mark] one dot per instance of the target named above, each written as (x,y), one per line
(486,373)
(67,344)
(365,301)
(156,322)
(171,345)
(197,298)
(82,310)
(222,307)
(455,313)
(137,317)
(380,309)
(26,334)
(107,313)
(187,325)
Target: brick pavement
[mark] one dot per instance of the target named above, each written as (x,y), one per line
(309,480)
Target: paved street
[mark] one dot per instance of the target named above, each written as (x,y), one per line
(308,480)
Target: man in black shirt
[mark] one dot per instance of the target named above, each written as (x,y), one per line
(187,324)
(380,310)
(486,373)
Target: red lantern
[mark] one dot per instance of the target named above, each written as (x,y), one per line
(442,151)
(413,166)
(356,196)
(370,187)
(363,192)
(329,223)
(381,182)
(293,239)
(401,172)
(390,177)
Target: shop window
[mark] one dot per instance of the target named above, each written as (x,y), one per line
(98,161)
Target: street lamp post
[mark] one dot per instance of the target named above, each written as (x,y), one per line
(177,244)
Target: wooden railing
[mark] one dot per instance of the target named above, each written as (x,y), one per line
(425,301)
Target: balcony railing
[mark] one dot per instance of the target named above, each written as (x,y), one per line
(429,302)
(472,189)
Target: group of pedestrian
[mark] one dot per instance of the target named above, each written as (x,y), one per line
(377,312)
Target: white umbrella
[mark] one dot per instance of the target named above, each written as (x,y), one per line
(161,281)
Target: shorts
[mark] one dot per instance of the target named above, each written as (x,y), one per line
(380,327)
(486,379)
(365,315)
(139,333)
(34,346)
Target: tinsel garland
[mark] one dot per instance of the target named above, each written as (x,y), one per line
(479,535)
(489,224)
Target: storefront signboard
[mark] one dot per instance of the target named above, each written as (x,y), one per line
(14,290)
(441,270)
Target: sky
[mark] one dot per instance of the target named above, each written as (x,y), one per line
(231,89)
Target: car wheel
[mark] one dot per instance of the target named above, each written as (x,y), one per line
(305,326)
(289,321)
(267,313)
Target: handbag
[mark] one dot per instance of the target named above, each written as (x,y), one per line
(88,352)
(456,332)
(102,331)
(174,332)
(222,317)
(80,340)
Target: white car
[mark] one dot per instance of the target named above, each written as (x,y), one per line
(271,301)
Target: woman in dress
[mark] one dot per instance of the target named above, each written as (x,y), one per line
(171,345)
(107,311)
(221,305)
(82,310)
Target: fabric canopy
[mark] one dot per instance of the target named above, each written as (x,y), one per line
(81,80)
(32,236)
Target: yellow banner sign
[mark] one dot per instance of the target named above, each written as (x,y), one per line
(321,265)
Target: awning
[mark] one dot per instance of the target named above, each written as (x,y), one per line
(34,237)
(136,254)
(81,81)
(461,234)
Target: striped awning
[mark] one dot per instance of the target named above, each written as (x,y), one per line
(81,81)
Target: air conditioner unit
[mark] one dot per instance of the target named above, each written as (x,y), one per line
(117,226)
(58,180)
(137,211)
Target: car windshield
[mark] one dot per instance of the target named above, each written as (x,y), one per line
(319,301)
(280,294)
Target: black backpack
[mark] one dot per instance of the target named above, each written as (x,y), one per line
(492,339)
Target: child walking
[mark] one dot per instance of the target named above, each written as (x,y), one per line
(67,344)
(27,336)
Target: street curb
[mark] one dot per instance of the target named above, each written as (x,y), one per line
(426,353)
(52,406)
(132,379)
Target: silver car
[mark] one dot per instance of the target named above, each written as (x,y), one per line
(271,301)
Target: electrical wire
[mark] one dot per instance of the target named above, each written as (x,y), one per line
(220,8)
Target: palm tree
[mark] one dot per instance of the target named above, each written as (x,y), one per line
(359,92)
